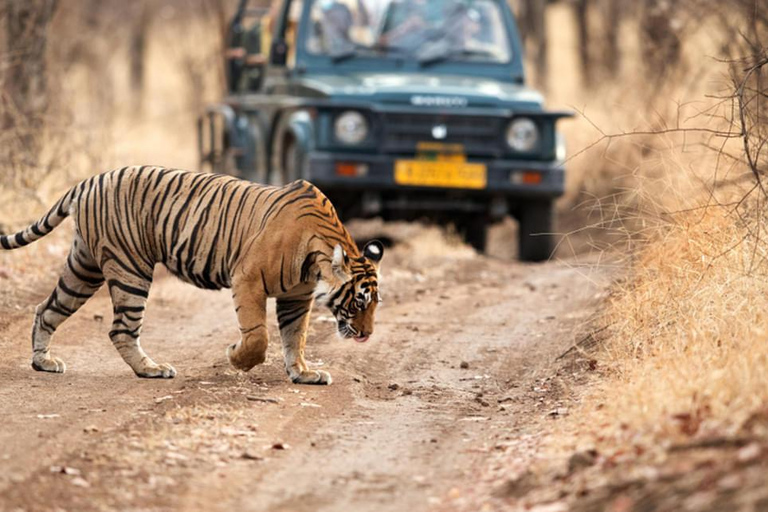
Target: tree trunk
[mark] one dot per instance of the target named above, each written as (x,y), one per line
(534,33)
(582,25)
(138,51)
(661,48)
(612,21)
(25,79)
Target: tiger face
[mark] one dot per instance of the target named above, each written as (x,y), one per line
(354,299)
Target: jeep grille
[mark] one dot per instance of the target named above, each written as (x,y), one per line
(480,136)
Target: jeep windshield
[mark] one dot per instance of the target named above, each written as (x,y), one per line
(425,31)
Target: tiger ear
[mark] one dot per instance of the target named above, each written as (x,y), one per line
(340,264)
(374,251)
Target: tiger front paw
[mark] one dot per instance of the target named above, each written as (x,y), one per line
(316,377)
(158,371)
(243,359)
(46,363)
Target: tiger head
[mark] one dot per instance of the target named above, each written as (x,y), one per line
(353,294)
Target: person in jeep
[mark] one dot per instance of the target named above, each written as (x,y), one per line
(453,26)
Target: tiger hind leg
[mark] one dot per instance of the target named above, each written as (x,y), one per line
(79,280)
(129,298)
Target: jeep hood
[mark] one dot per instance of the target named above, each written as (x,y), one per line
(425,90)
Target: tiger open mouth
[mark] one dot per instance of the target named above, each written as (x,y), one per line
(347,331)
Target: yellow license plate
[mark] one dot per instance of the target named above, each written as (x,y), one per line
(440,174)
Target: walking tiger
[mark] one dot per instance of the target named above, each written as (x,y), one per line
(214,232)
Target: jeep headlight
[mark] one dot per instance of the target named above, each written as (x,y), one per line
(522,135)
(351,128)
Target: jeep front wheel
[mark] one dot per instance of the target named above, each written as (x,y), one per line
(536,230)
(474,231)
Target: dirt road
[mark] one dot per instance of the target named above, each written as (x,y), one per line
(407,424)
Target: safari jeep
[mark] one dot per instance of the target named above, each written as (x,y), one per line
(401,109)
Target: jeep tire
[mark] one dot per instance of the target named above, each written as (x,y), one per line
(474,231)
(536,230)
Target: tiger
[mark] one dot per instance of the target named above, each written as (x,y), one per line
(212,231)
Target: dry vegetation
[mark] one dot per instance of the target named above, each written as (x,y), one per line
(684,346)
(124,83)
(688,347)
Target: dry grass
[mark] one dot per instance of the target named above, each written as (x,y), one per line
(91,126)
(685,339)
(688,349)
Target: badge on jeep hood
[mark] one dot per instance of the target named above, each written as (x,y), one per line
(439,101)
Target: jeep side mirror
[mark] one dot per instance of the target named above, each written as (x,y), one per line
(278,55)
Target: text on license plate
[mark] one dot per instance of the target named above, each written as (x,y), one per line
(440,174)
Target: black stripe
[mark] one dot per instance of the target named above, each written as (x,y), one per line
(134,309)
(94,281)
(285,321)
(45,325)
(60,309)
(136,270)
(71,292)
(114,283)
(132,333)
(306,266)
(264,282)
(282,284)
(247,331)
(19,238)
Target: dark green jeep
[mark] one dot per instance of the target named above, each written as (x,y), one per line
(395,108)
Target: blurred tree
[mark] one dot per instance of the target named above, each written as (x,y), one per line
(611,56)
(533,28)
(660,42)
(137,50)
(582,27)
(25,82)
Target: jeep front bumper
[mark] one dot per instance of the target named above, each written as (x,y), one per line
(510,178)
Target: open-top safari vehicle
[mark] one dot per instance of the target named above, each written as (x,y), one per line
(394,108)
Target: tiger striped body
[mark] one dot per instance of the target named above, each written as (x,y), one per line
(214,232)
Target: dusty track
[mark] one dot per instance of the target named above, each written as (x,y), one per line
(406,425)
